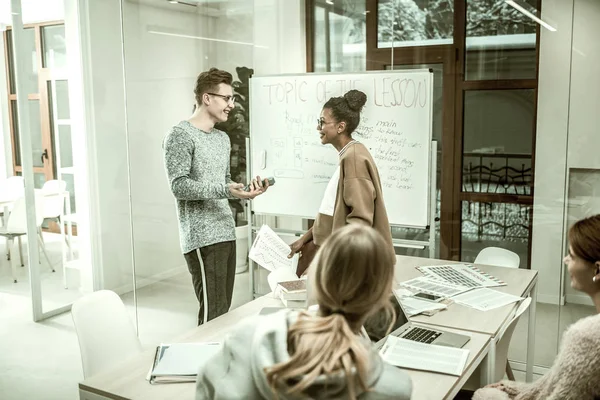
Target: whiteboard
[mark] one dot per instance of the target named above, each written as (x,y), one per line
(396,126)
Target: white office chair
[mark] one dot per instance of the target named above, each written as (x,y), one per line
(475,381)
(53,205)
(501,258)
(498,257)
(11,189)
(105,332)
(16,227)
(54,201)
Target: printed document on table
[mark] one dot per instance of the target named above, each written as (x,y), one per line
(271,252)
(413,306)
(435,287)
(461,274)
(485,299)
(406,353)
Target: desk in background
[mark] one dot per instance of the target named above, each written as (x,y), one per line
(519,282)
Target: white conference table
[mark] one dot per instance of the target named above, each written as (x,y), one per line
(128,380)
(520,282)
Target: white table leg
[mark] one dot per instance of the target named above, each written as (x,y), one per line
(491,362)
(531,335)
(69,225)
(61,222)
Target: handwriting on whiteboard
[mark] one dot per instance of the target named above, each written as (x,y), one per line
(387,92)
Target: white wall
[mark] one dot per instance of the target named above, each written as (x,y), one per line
(34,11)
(160,76)
(279,28)
(583,157)
(106,144)
(567,132)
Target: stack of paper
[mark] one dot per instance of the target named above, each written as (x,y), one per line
(485,299)
(180,362)
(293,293)
(426,357)
(461,274)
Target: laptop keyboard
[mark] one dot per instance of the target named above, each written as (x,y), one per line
(421,335)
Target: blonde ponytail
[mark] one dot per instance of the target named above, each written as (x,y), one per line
(328,343)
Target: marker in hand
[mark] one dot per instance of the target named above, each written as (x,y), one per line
(271,181)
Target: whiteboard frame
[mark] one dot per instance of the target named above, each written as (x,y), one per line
(430,136)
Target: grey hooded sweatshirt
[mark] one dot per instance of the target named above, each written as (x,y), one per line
(237,372)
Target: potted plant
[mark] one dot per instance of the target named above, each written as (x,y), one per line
(237,128)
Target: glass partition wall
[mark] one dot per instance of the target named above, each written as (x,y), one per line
(485,57)
(511,120)
(42,261)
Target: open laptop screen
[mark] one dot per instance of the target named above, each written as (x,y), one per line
(378,323)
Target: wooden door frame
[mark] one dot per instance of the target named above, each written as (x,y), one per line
(42,95)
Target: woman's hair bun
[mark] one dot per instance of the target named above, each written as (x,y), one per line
(356,99)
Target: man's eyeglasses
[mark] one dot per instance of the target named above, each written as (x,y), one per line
(228,99)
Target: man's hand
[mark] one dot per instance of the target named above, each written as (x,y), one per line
(261,184)
(237,191)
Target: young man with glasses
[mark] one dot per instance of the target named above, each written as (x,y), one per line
(197,164)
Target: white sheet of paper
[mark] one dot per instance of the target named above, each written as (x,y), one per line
(406,353)
(271,252)
(485,299)
(435,287)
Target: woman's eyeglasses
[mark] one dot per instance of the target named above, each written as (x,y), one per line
(321,122)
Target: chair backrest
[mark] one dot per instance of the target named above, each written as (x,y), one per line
(17,220)
(498,257)
(53,199)
(505,337)
(12,188)
(105,332)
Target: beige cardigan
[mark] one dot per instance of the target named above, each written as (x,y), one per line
(575,374)
(359,197)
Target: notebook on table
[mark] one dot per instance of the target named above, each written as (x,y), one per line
(180,362)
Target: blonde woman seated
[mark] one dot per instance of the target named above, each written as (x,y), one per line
(299,355)
(575,374)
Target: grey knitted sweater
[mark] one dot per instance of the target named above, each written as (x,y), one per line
(197,165)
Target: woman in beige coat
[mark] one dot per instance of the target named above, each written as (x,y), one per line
(354,194)
(575,374)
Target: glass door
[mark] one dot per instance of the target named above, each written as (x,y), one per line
(45,259)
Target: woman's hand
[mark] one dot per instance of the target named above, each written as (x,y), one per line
(296,247)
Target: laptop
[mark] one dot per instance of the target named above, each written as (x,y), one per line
(403,328)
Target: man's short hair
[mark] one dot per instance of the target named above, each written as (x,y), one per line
(208,81)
